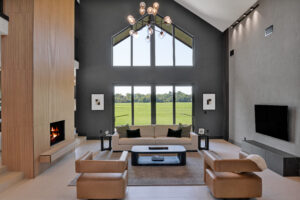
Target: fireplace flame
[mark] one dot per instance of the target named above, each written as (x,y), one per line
(54,133)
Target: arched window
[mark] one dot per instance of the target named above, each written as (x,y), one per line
(172,45)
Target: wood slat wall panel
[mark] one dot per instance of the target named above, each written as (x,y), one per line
(17,90)
(53,72)
(37,79)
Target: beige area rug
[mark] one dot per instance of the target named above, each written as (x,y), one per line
(190,174)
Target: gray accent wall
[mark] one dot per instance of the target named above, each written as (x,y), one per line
(100,19)
(266,70)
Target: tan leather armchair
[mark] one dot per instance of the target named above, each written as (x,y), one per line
(231,178)
(101,179)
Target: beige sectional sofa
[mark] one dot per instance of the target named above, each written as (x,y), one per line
(154,135)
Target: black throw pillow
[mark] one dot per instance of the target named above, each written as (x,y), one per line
(173,133)
(133,133)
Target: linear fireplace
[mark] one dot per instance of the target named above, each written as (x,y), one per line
(57,132)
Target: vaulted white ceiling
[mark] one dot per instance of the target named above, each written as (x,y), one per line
(219,13)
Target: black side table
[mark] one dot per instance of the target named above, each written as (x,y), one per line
(206,139)
(104,137)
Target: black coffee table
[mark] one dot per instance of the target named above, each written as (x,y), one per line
(177,157)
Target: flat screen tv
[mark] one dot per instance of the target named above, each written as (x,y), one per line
(272,121)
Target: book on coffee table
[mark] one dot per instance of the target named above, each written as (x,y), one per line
(158,158)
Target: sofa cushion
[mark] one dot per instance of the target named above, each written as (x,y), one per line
(172,141)
(162,130)
(133,133)
(146,131)
(174,133)
(186,129)
(137,141)
(100,176)
(122,131)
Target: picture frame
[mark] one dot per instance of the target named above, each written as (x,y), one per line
(97,101)
(209,101)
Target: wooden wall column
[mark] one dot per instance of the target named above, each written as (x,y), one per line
(37,79)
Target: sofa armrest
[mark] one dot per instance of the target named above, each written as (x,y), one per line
(115,140)
(193,135)
(194,139)
(229,165)
(102,166)
(242,155)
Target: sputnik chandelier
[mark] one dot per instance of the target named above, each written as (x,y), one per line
(149,22)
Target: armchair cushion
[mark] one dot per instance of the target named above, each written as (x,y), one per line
(101,176)
(85,164)
(258,160)
(230,165)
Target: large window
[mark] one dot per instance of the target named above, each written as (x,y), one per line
(122,107)
(141,49)
(121,52)
(183,104)
(133,105)
(164,104)
(142,105)
(163,48)
(172,45)
(183,48)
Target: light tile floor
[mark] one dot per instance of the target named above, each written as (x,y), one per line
(52,184)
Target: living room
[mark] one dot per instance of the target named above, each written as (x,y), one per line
(151,99)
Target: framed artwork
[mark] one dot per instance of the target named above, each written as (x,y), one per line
(209,101)
(97,101)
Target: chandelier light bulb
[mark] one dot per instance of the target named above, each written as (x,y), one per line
(143,5)
(131,32)
(167,20)
(135,34)
(154,11)
(156,5)
(142,11)
(150,30)
(149,10)
(162,34)
(130,19)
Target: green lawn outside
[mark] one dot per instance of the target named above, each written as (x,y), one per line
(164,113)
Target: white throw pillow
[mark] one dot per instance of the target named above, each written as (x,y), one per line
(260,162)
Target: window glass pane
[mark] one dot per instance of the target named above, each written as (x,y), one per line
(183,54)
(142,105)
(122,97)
(163,48)
(183,48)
(183,104)
(164,105)
(141,49)
(121,53)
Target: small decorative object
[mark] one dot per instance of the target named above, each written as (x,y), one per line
(97,101)
(158,158)
(209,102)
(107,132)
(201,131)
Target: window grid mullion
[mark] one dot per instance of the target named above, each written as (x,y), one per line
(153,104)
(173,32)
(132,105)
(174,106)
(131,51)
